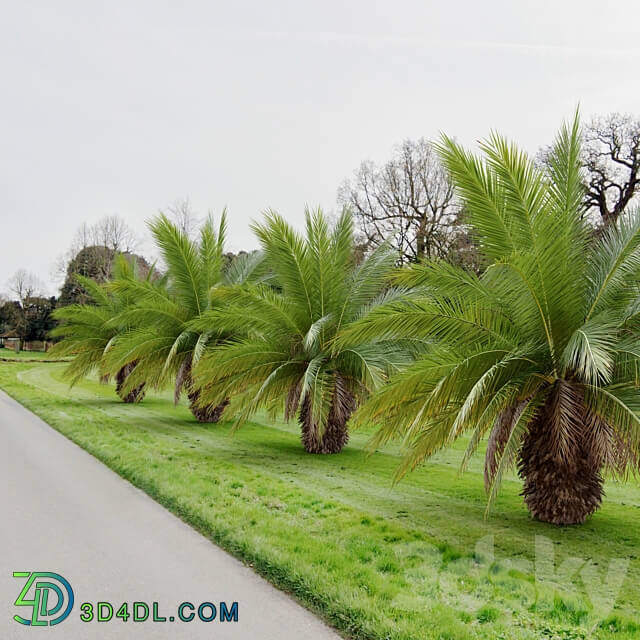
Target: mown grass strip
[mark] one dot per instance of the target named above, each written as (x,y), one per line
(375,561)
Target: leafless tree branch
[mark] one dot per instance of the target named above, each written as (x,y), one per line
(409,201)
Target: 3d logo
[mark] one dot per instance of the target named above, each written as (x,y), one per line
(40,598)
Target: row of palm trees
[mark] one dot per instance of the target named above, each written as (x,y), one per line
(540,354)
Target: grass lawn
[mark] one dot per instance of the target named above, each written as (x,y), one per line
(412,561)
(10,354)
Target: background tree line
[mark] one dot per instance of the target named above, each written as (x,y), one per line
(408,201)
(25,311)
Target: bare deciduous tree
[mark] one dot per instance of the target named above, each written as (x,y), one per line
(611,165)
(24,285)
(95,245)
(612,162)
(409,201)
(181,213)
(29,312)
(114,233)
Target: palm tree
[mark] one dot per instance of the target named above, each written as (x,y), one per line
(541,352)
(282,355)
(88,330)
(161,340)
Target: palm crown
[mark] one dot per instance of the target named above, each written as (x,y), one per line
(160,339)
(541,352)
(89,330)
(283,353)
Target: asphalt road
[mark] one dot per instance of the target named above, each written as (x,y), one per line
(62,511)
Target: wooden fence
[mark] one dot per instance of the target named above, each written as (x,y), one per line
(34,345)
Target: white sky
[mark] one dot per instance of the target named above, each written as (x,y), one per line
(125,106)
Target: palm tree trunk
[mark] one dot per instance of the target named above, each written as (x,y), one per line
(135,395)
(209,413)
(335,435)
(559,490)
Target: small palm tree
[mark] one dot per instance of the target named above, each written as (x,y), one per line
(282,356)
(542,352)
(161,340)
(88,330)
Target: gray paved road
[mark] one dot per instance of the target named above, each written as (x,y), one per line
(63,511)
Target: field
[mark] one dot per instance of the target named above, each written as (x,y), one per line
(10,354)
(415,560)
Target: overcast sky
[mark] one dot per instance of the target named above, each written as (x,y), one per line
(122,107)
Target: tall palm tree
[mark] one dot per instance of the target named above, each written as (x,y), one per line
(88,330)
(161,340)
(541,353)
(282,356)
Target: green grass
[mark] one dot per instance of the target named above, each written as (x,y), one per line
(25,356)
(412,561)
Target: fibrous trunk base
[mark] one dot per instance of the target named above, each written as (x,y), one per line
(136,394)
(558,490)
(335,434)
(208,413)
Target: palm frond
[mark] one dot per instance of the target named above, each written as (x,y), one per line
(183,261)
(211,252)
